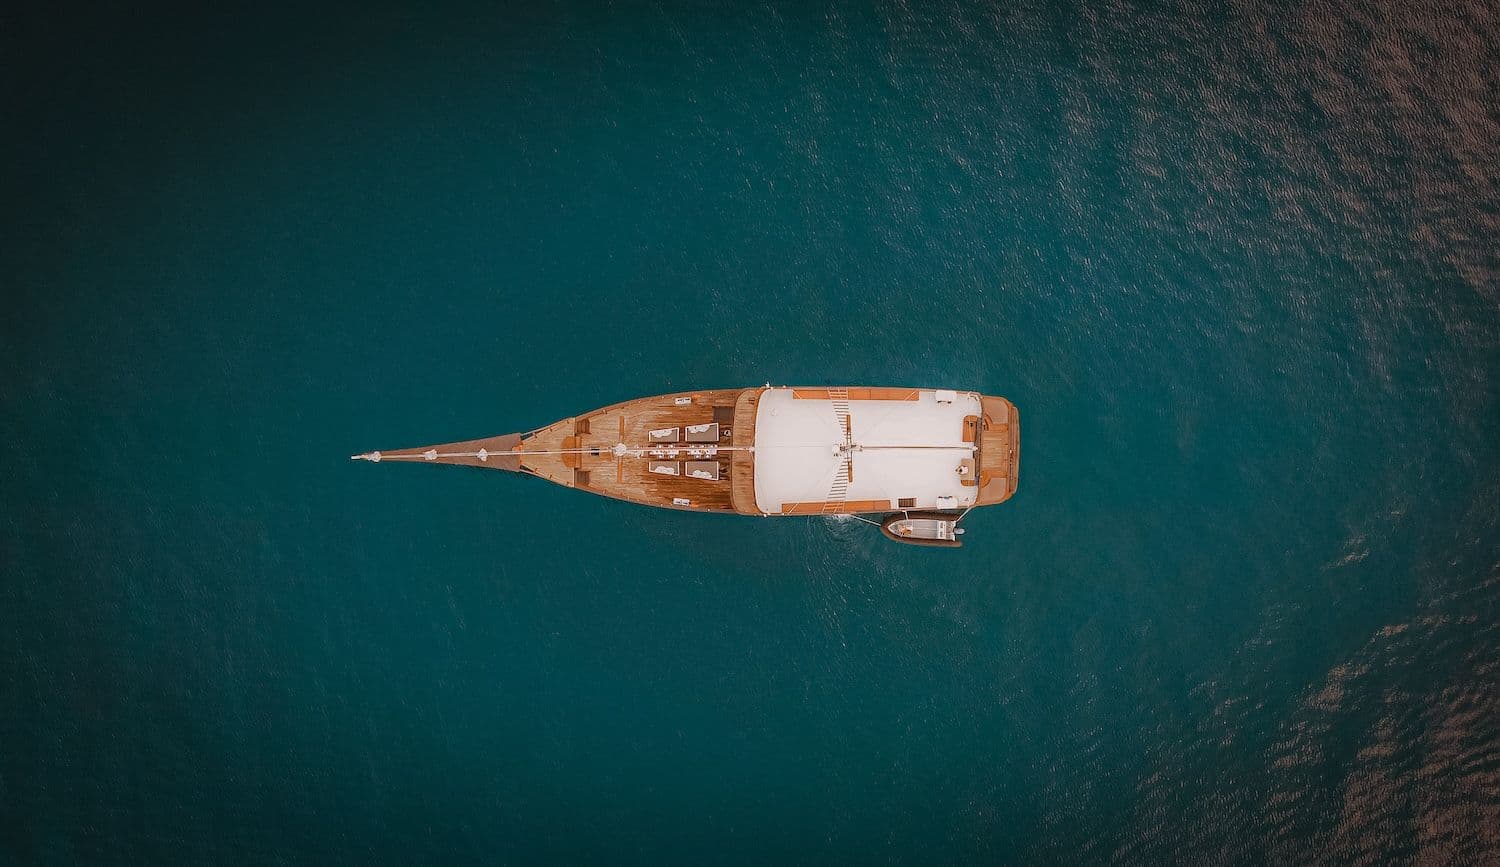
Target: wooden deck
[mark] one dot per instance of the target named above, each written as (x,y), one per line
(999,450)
(609,451)
(591,462)
(742,474)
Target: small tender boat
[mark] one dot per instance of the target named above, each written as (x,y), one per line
(924,456)
(923,528)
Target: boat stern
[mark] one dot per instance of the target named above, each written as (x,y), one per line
(999,436)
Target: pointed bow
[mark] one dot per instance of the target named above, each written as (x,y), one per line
(496,453)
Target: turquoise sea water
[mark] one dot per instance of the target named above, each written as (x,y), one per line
(1236,266)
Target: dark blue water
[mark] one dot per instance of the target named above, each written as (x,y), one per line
(1236,265)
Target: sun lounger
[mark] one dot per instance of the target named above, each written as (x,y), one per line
(703,470)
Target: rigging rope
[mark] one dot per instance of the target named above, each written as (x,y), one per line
(631,451)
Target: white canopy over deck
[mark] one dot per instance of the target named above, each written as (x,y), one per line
(899,448)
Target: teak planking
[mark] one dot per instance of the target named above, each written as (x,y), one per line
(742,463)
(580,451)
(629,477)
(999,450)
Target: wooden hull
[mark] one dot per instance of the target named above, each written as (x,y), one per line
(619,451)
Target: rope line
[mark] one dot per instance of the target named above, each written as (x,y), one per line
(633,451)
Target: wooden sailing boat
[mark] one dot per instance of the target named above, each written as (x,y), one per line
(924,456)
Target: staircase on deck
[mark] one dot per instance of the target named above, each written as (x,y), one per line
(839,491)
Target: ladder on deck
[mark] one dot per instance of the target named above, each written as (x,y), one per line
(840,399)
(839,491)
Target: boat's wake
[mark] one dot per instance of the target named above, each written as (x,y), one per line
(852,534)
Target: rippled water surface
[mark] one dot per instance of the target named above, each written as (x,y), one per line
(1235,264)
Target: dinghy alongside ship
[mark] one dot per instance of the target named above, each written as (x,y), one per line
(925,457)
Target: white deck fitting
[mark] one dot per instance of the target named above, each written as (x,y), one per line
(796,461)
